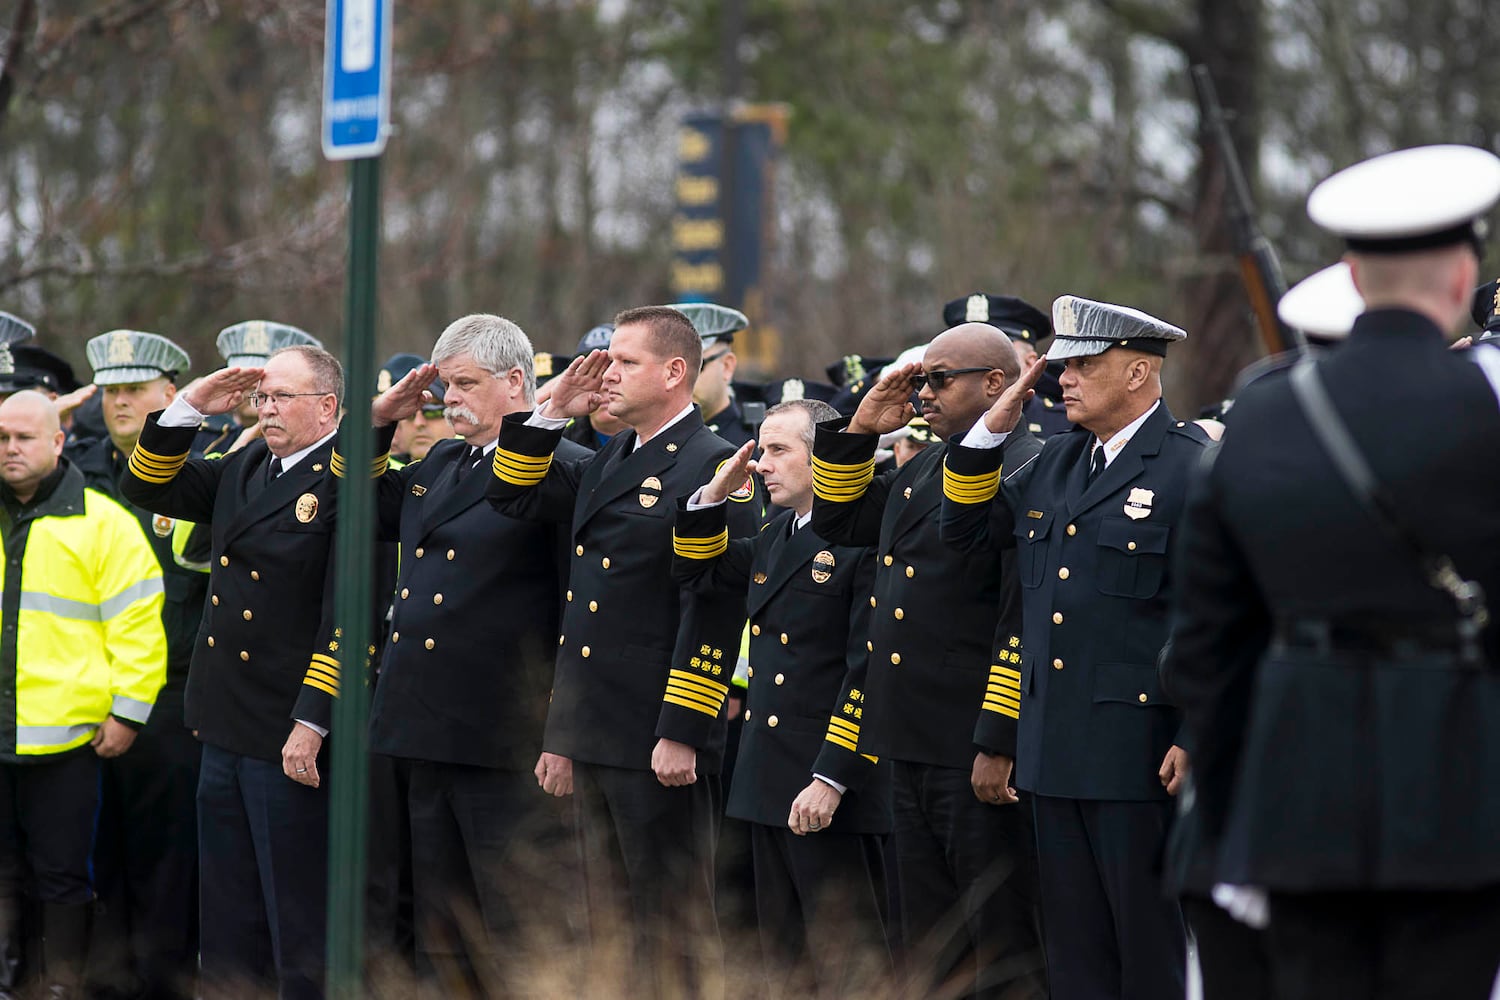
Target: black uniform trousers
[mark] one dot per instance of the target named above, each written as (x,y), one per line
(648,865)
(263,877)
(821,901)
(490,875)
(48,809)
(1110,931)
(1233,958)
(390,934)
(968,893)
(1385,945)
(145,939)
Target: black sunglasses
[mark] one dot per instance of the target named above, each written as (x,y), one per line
(942,377)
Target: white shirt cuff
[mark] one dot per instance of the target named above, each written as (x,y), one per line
(694,503)
(841,789)
(538,419)
(317,729)
(980,436)
(180,413)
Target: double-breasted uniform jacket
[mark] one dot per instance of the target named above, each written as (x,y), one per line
(636,659)
(933,612)
(1093,564)
(1340,743)
(102,466)
(267,649)
(467,665)
(807,666)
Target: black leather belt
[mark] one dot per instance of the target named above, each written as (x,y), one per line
(1394,640)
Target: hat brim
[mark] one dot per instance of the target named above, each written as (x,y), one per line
(127,376)
(1072,347)
(246,360)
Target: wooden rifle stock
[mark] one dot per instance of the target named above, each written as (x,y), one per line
(1260,271)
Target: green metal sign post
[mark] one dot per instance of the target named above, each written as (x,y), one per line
(356,119)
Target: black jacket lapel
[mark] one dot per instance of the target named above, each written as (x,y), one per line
(926,492)
(1127,465)
(277,494)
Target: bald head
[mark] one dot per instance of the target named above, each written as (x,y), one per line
(28,404)
(31,441)
(976,345)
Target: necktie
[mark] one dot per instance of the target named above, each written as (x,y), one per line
(1096,464)
(274,470)
(467,462)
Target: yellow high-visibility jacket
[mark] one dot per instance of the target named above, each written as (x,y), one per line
(80,620)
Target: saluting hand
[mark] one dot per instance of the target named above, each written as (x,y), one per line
(731,476)
(675,764)
(70,401)
(405,398)
(813,808)
(222,390)
(991,779)
(1003,416)
(887,406)
(576,392)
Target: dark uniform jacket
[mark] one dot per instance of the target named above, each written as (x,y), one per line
(933,611)
(1094,723)
(729,424)
(103,466)
(467,664)
(266,651)
(636,660)
(1367,757)
(807,668)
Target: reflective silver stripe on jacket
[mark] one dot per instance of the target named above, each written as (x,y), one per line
(129,708)
(83,611)
(50,736)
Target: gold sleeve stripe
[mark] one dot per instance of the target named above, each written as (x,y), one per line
(841,483)
(521,470)
(336,464)
(701,548)
(323,674)
(842,741)
(970,489)
(152,468)
(703,685)
(1005,673)
(1002,706)
(695,702)
(843,725)
(872,760)
(379,465)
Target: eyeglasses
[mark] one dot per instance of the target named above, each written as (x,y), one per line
(942,377)
(708,360)
(432,412)
(259,399)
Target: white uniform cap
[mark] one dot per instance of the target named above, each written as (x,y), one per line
(1412,199)
(1323,305)
(1082,328)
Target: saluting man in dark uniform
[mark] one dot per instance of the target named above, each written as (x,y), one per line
(1026,326)
(245,345)
(637,716)
(816,805)
(1340,688)
(265,667)
(1093,517)
(467,668)
(146,858)
(966,869)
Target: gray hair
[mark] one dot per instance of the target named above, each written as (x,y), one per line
(494,343)
(327,373)
(817,412)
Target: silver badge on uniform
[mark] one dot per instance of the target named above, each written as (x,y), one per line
(822,567)
(1139,504)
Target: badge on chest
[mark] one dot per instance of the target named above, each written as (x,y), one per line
(650,492)
(1139,503)
(822,566)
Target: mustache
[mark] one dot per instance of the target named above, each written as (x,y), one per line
(273,424)
(460,411)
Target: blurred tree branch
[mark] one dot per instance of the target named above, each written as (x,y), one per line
(15,50)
